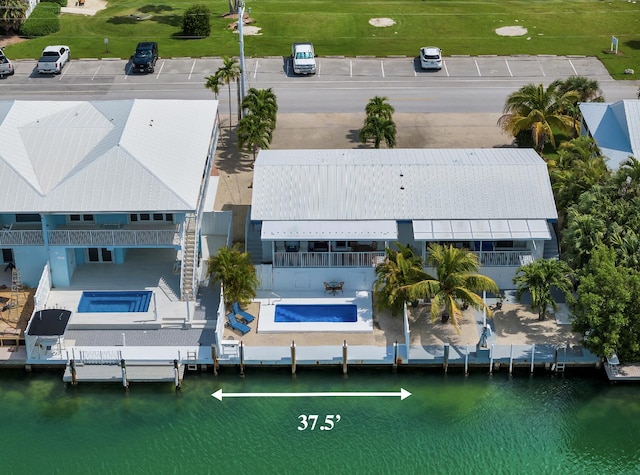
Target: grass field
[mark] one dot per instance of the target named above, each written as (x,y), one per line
(459,27)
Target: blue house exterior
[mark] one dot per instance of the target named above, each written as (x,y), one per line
(85,182)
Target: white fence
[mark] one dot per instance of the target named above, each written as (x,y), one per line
(42,292)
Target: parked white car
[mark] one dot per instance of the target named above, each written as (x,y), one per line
(6,68)
(53,59)
(430,57)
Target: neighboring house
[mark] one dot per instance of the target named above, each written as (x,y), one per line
(85,182)
(615,127)
(328,215)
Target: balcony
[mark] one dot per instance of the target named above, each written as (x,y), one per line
(327,259)
(116,235)
(21,235)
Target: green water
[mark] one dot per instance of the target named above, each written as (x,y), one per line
(451,424)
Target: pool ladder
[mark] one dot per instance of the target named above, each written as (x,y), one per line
(269,302)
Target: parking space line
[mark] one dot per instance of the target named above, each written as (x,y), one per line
(192,68)
(255,69)
(445,68)
(64,71)
(127,71)
(541,70)
(161,66)
(477,67)
(574,69)
(350,69)
(96,73)
(382,67)
(508,68)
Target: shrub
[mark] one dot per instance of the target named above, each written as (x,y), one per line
(43,21)
(62,3)
(196,21)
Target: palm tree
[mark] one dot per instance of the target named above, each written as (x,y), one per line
(379,130)
(400,268)
(234,269)
(213,84)
(627,178)
(12,15)
(456,284)
(583,233)
(540,111)
(379,106)
(263,103)
(539,278)
(588,89)
(229,72)
(254,133)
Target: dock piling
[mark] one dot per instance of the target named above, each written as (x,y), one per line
(394,365)
(446,357)
(123,365)
(241,359)
(511,359)
(466,362)
(293,357)
(344,357)
(214,357)
(176,375)
(491,360)
(74,375)
(533,356)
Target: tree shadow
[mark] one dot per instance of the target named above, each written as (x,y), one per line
(122,20)
(633,44)
(155,8)
(229,159)
(353,136)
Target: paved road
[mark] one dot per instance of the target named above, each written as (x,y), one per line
(465,84)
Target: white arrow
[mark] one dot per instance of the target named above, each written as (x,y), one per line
(403,394)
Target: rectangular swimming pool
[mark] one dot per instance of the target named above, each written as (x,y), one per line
(290,313)
(115,302)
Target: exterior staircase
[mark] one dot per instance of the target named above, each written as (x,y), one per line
(551,249)
(253,244)
(189,251)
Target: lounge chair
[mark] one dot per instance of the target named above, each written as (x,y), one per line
(236,325)
(246,316)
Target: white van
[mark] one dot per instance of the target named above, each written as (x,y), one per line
(430,57)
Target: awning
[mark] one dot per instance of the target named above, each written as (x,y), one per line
(386,230)
(480,229)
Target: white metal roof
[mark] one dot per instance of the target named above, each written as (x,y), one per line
(615,127)
(329,230)
(480,229)
(103,156)
(401,184)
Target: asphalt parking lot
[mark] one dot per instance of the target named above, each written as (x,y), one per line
(329,68)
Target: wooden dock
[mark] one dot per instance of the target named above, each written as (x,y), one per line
(622,372)
(135,373)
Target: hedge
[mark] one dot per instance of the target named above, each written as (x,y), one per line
(43,21)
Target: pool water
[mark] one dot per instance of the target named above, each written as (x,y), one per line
(316,313)
(114,302)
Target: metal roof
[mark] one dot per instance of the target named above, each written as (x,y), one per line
(103,156)
(615,127)
(481,229)
(401,184)
(329,230)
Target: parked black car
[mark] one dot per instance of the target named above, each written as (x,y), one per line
(145,57)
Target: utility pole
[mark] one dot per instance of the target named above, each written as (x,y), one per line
(242,76)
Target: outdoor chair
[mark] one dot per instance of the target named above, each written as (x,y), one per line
(237,325)
(246,316)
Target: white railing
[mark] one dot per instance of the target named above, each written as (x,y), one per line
(99,357)
(21,238)
(504,258)
(42,292)
(326,259)
(114,237)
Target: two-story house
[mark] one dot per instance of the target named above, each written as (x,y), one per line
(90,182)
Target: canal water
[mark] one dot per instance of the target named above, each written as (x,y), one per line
(451,424)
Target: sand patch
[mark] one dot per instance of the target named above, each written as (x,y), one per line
(382,22)
(511,31)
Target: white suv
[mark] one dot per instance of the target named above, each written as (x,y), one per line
(430,57)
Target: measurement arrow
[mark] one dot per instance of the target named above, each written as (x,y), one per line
(403,394)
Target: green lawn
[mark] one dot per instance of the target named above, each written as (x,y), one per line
(561,27)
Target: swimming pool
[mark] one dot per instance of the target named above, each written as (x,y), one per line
(114,302)
(290,313)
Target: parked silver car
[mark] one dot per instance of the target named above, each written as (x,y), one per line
(430,57)
(6,68)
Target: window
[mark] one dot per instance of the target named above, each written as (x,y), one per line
(158,217)
(27,218)
(81,218)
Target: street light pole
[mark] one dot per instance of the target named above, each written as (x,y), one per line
(240,23)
